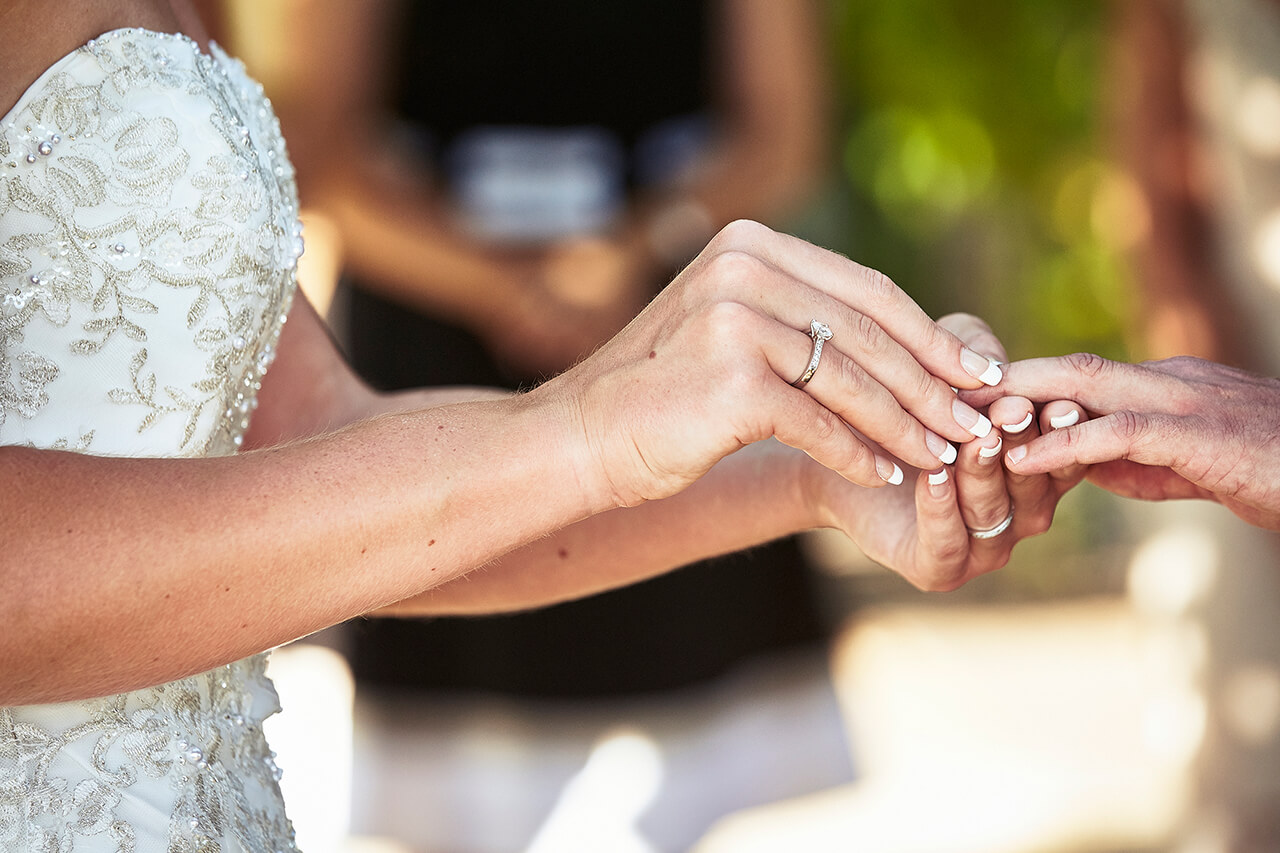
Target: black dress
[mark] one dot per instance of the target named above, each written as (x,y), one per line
(635,74)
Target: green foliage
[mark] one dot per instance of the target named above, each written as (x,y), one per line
(978,177)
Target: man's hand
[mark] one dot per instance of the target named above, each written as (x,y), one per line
(1178,428)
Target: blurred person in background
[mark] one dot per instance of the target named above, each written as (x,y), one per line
(512,182)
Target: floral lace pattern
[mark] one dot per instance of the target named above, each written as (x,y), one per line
(148,249)
(154,243)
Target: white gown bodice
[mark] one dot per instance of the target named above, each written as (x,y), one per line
(149,240)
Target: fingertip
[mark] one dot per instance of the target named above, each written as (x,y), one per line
(1015,456)
(985,370)
(970,419)
(1066,419)
(1014,429)
(937,482)
(889,471)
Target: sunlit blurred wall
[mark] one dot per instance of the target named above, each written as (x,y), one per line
(1231,80)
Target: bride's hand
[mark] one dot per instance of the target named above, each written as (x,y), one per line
(955,522)
(708,366)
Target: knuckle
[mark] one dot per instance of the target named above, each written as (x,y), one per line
(851,379)
(1089,365)
(866,334)
(937,339)
(728,320)
(828,431)
(728,271)
(988,513)
(740,233)
(1126,424)
(1181,364)
(878,289)
(931,390)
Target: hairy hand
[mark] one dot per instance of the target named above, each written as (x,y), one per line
(1177,428)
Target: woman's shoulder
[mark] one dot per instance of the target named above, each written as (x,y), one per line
(129,52)
(35,38)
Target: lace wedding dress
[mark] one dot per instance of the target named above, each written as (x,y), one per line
(148,245)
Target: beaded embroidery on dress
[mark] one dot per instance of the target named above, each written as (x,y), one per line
(149,240)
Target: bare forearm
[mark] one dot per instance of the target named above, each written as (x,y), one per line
(123,573)
(749,498)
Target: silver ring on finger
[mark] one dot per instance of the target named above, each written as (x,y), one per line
(993,532)
(820,333)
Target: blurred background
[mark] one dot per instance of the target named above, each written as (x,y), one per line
(1086,175)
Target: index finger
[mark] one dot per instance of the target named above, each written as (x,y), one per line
(871,293)
(1096,383)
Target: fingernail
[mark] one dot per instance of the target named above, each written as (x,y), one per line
(889,471)
(940,447)
(991,452)
(1065,420)
(938,483)
(1020,426)
(1016,455)
(980,367)
(969,418)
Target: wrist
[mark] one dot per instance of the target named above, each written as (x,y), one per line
(584,469)
(799,486)
(813,484)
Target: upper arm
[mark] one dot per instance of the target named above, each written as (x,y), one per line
(309,389)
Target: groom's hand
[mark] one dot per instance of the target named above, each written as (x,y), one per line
(1178,428)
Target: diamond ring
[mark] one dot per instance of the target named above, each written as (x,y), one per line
(820,333)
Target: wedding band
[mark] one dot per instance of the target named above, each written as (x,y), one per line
(993,532)
(820,333)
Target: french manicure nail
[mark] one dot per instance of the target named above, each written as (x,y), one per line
(938,477)
(1016,455)
(889,471)
(1065,420)
(970,419)
(940,447)
(980,367)
(989,452)
(1020,426)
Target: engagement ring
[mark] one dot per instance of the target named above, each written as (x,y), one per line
(820,333)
